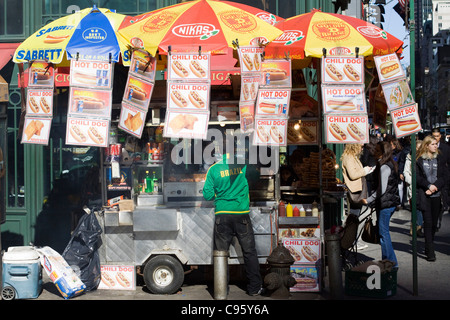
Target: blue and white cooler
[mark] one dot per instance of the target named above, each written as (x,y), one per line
(22,273)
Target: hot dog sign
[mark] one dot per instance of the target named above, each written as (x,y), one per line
(189,67)
(349,99)
(188,96)
(270,132)
(273,101)
(347,129)
(342,70)
(406,121)
(388,67)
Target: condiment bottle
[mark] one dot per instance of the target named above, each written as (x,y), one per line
(302,211)
(289,210)
(296,212)
(315,209)
(281,209)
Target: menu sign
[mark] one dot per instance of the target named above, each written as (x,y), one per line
(41,74)
(188,95)
(388,68)
(397,94)
(276,73)
(189,67)
(91,74)
(191,125)
(138,92)
(87,132)
(132,119)
(342,70)
(270,132)
(302,132)
(36,130)
(349,99)
(406,120)
(143,64)
(347,128)
(250,59)
(90,102)
(249,87)
(247,116)
(273,101)
(40,102)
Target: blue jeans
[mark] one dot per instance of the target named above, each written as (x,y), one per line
(227,226)
(387,251)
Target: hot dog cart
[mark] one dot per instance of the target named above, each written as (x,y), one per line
(166,230)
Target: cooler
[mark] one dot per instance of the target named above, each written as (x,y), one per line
(22,273)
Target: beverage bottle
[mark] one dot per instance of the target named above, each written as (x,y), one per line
(315,209)
(154,183)
(148,183)
(281,209)
(289,210)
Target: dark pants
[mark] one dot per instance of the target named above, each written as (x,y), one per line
(430,218)
(228,225)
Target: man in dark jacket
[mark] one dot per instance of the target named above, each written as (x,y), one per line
(445,154)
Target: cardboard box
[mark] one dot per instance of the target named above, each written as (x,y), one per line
(4,92)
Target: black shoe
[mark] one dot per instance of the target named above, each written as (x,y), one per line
(431,258)
(260,292)
(420,233)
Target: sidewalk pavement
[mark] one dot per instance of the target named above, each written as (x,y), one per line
(433,279)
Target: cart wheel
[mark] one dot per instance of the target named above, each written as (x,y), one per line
(8,293)
(163,274)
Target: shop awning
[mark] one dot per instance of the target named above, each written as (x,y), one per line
(6,52)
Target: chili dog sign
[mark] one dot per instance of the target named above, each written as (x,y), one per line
(342,70)
(189,67)
(350,99)
(188,96)
(87,132)
(406,120)
(40,102)
(347,128)
(250,59)
(270,132)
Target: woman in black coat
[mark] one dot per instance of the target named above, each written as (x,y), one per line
(431,177)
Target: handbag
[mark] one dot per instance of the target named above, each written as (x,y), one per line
(357,197)
(370,232)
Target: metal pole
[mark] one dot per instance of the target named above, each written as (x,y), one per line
(412,39)
(220,274)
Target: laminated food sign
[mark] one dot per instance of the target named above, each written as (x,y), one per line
(270,131)
(273,102)
(186,95)
(247,116)
(249,87)
(39,106)
(276,73)
(397,94)
(189,67)
(87,132)
(344,99)
(180,124)
(117,277)
(132,119)
(389,68)
(250,59)
(91,74)
(347,128)
(302,132)
(143,65)
(342,70)
(406,120)
(138,92)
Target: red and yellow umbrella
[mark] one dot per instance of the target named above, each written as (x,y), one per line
(306,35)
(211,25)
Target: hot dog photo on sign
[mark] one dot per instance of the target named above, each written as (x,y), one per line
(406,120)
(276,73)
(273,101)
(342,70)
(91,74)
(138,92)
(349,99)
(250,59)
(188,96)
(389,67)
(189,67)
(143,64)
(347,129)
(40,102)
(41,74)
(87,132)
(85,101)
(249,87)
(270,132)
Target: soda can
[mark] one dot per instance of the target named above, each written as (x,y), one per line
(267,78)
(35,77)
(136,66)
(284,108)
(105,78)
(130,94)
(99,77)
(80,106)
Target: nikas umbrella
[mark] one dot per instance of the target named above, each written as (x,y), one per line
(206,25)
(87,34)
(306,35)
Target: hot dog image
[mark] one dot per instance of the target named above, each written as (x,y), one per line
(256,61)
(33,105)
(304,281)
(88,103)
(275,74)
(341,105)
(107,280)
(293,135)
(55,39)
(333,72)
(247,61)
(294,253)
(197,69)
(196,100)
(76,133)
(122,280)
(262,134)
(85,78)
(42,73)
(137,92)
(142,64)
(253,90)
(389,69)
(179,69)
(306,134)
(44,105)
(351,73)
(95,135)
(355,133)
(337,132)
(245,91)
(407,124)
(178,99)
(309,254)
(275,134)
(267,107)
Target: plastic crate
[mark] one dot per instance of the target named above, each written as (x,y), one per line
(356,284)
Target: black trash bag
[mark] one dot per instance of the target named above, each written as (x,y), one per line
(82,251)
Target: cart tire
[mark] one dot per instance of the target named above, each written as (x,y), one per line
(8,293)
(163,274)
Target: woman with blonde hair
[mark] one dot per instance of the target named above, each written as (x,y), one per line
(431,177)
(354,176)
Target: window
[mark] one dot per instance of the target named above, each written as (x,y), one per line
(11,19)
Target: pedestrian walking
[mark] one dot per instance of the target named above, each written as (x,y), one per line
(368,159)
(431,178)
(386,198)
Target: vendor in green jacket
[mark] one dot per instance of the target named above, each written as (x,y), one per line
(226,183)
